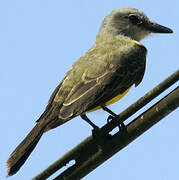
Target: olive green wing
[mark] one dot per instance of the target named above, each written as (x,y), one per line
(109,80)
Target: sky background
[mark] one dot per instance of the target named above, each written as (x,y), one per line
(39,41)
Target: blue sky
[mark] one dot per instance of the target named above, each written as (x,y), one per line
(39,41)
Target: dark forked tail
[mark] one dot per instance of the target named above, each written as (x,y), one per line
(24,149)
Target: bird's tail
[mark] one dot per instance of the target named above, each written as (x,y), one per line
(24,149)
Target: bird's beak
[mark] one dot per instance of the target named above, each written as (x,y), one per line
(157,28)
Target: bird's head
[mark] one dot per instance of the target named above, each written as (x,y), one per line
(130,22)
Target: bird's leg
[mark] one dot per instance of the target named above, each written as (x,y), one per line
(112,116)
(109,111)
(84,117)
(95,130)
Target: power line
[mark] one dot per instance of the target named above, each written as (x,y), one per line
(94,151)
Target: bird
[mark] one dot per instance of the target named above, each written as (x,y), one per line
(102,76)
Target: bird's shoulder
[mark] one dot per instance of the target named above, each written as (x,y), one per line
(126,55)
(117,46)
(105,56)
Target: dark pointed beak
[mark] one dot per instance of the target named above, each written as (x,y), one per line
(157,28)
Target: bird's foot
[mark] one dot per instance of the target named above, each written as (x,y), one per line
(121,124)
(112,116)
(96,132)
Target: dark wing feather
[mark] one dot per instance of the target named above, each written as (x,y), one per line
(84,94)
(90,92)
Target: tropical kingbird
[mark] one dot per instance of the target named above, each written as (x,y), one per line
(100,77)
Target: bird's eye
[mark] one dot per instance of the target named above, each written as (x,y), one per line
(134,19)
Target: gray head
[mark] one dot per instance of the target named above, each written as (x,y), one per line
(130,22)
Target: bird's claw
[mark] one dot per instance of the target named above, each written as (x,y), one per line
(110,117)
(121,124)
(96,132)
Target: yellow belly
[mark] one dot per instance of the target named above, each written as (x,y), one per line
(115,99)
